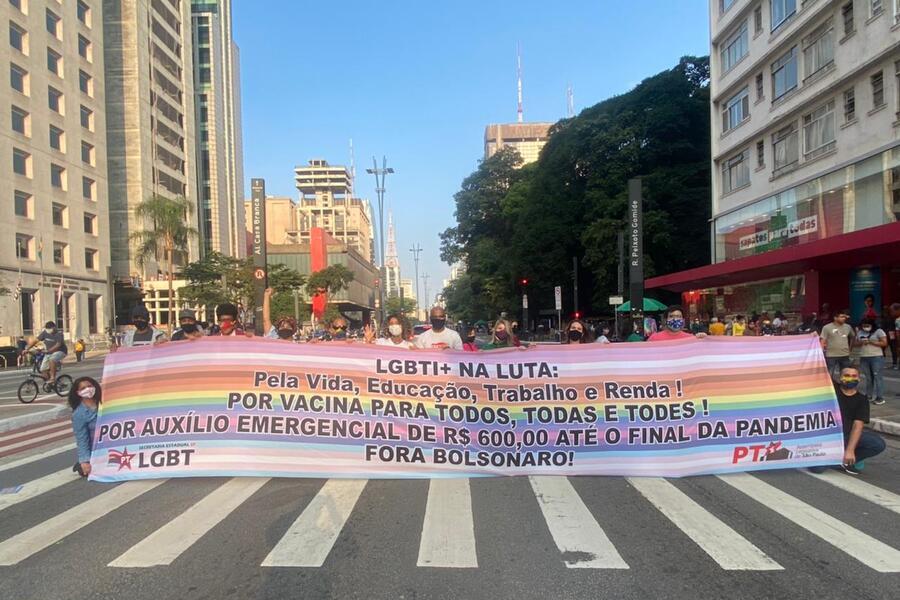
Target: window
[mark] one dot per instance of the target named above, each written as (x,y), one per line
(737,109)
(87,153)
(847,17)
(896,12)
(55,100)
(818,50)
(90,223)
(92,314)
(54,62)
(760,154)
(757,20)
(785,149)
(784,74)
(759,86)
(60,253)
(23,204)
(53,27)
(87,118)
(18,38)
(21,162)
(57,139)
(84,12)
(90,259)
(16,4)
(781,11)
(84,48)
(85,83)
(877,89)
(57,176)
(849,105)
(734,49)
(724,5)
(20,121)
(59,215)
(818,130)
(87,188)
(876,7)
(18,78)
(736,171)
(23,245)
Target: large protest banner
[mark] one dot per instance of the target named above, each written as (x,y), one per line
(239,406)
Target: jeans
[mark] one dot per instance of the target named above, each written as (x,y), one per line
(841,362)
(870,444)
(872,367)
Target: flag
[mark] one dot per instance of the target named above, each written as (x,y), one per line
(59,290)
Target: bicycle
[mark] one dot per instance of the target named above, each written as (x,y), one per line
(29,389)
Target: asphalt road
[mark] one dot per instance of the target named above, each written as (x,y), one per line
(11,378)
(776,534)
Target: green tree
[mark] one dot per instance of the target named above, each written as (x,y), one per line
(330,280)
(284,281)
(168,233)
(393,305)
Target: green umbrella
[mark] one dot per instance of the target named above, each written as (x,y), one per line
(650,305)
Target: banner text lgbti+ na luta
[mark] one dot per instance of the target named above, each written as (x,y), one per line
(238,406)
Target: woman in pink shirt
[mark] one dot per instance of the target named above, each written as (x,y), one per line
(673,326)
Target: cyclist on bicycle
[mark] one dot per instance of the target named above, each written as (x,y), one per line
(55,350)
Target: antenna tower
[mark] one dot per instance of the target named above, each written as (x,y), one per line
(520,117)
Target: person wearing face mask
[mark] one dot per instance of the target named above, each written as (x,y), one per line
(84,398)
(284,328)
(603,338)
(469,342)
(673,328)
(397,333)
(837,338)
(502,337)
(55,350)
(871,341)
(576,332)
(188,328)
(859,444)
(439,336)
(228,322)
(143,334)
(337,330)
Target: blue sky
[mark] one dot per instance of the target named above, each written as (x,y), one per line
(417,81)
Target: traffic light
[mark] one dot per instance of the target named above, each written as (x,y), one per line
(577,315)
(524,281)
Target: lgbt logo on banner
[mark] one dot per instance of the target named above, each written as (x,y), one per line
(259,407)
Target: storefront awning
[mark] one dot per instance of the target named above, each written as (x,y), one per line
(864,247)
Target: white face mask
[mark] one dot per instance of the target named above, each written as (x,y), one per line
(395,330)
(87,392)
(48,331)
(867,328)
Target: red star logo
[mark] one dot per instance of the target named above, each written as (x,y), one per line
(123,458)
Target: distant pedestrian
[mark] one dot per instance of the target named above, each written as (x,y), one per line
(716,326)
(739,325)
(84,399)
(869,311)
(79,350)
(603,338)
(637,333)
(836,339)
(895,347)
(872,340)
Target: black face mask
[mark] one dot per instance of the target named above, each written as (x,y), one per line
(438,324)
(189,327)
(470,339)
(140,324)
(502,335)
(285,334)
(574,335)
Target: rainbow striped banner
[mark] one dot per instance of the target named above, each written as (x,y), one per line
(255,407)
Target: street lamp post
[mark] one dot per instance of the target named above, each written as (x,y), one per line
(416,250)
(425,277)
(379,190)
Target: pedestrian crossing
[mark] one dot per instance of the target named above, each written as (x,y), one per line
(445,521)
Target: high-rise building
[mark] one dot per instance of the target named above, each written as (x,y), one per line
(326,201)
(805,159)
(218,115)
(54,231)
(391,262)
(281,219)
(148,54)
(526,138)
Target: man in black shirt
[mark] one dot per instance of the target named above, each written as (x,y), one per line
(859,444)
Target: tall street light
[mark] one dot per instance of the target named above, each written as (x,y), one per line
(416,250)
(379,190)
(425,277)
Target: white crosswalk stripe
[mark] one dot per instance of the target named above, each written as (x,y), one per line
(857,544)
(169,542)
(448,531)
(577,534)
(311,537)
(32,541)
(38,487)
(872,493)
(36,457)
(722,543)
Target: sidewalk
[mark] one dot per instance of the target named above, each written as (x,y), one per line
(886,418)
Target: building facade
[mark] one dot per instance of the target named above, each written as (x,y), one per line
(326,201)
(391,262)
(217,109)
(150,117)
(281,219)
(55,249)
(527,138)
(805,103)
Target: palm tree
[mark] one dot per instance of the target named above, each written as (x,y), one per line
(170,233)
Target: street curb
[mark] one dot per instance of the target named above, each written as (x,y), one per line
(885,426)
(20,421)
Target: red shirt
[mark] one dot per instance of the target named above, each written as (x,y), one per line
(665,335)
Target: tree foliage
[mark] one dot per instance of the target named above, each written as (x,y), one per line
(394,306)
(530,222)
(330,280)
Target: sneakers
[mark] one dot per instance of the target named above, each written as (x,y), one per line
(878,401)
(850,469)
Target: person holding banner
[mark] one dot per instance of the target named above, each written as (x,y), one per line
(673,328)
(398,330)
(575,333)
(229,324)
(284,328)
(502,337)
(859,444)
(439,336)
(84,398)
(188,328)
(143,334)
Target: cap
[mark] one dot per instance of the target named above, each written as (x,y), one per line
(140,311)
(186,313)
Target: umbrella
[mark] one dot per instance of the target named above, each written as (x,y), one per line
(650,305)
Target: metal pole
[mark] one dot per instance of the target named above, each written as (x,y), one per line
(425,277)
(575,281)
(379,191)
(296,305)
(620,289)
(416,250)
